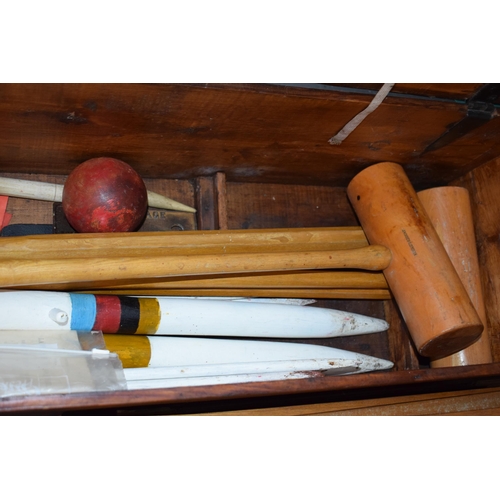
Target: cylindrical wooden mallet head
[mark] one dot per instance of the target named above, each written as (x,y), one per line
(450,212)
(432,299)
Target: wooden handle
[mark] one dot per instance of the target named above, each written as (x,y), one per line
(249,240)
(308,293)
(118,245)
(299,284)
(46,191)
(15,272)
(300,280)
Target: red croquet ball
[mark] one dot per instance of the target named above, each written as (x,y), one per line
(104,195)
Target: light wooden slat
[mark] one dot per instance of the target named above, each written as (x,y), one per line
(443,403)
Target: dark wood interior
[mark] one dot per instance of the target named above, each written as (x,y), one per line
(252,133)
(257,156)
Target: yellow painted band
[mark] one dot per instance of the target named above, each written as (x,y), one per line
(133,351)
(149,316)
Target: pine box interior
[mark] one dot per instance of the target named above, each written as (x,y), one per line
(257,156)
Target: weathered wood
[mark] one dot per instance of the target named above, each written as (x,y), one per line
(258,206)
(251,132)
(206,216)
(471,402)
(340,388)
(401,348)
(221,199)
(271,143)
(211,200)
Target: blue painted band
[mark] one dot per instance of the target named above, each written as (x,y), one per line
(83,312)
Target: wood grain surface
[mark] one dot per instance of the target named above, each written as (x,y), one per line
(261,395)
(262,153)
(450,212)
(460,403)
(256,133)
(483,185)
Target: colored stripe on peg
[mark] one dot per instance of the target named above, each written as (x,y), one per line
(149,316)
(115,314)
(83,312)
(129,320)
(108,313)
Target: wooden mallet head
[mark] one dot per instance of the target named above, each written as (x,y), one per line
(432,299)
(450,211)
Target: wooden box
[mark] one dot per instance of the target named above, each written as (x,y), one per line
(258,156)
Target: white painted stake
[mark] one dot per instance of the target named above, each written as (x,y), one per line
(232,373)
(329,366)
(172,352)
(37,310)
(215,380)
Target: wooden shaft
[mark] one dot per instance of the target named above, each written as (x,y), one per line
(300,280)
(61,245)
(33,190)
(159,201)
(308,293)
(47,191)
(117,252)
(432,299)
(450,211)
(37,272)
(273,280)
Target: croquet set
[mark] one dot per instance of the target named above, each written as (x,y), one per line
(280,268)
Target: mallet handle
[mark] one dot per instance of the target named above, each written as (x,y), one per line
(15,272)
(229,241)
(312,293)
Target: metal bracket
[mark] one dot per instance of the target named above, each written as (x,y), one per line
(480,110)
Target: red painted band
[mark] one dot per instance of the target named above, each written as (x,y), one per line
(108,313)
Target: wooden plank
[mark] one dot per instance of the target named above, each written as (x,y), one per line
(401,348)
(205,203)
(221,208)
(472,402)
(341,388)
(258,133)
(258,206)
(211,202)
